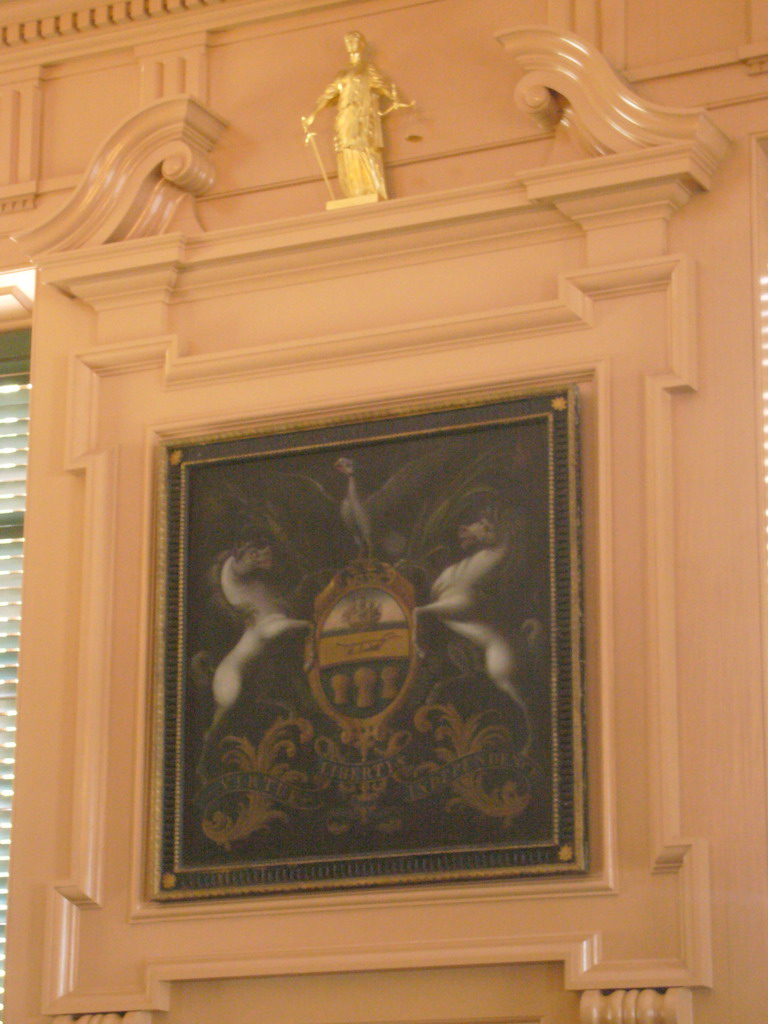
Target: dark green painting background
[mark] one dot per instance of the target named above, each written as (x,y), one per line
(507,465)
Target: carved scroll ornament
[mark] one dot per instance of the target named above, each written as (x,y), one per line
(568,83)
(136,180)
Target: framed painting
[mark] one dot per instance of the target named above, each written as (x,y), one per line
(368,661)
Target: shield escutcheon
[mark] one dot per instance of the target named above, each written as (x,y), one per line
(363,655)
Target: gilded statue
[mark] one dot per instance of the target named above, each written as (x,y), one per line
(358,139)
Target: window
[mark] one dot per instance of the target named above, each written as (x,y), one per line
(14,419)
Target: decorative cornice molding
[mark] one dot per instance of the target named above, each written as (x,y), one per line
(571,310)
(308,248)
(136,179)
(569,83)
(20,30)
(637,1006)
(37,30)
(652,163)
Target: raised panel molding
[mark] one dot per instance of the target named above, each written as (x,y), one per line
(585,965)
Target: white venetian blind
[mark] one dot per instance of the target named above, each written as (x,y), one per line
(14,421)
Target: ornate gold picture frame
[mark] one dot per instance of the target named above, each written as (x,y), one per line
(369,654)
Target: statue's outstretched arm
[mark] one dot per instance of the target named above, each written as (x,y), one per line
(329,96)
(389,91)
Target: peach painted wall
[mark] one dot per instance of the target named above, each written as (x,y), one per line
(254,307)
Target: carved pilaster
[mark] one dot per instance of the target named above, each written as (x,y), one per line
(174,67)
(19,143)
(637,1006)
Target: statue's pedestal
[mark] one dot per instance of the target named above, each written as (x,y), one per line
(337,204)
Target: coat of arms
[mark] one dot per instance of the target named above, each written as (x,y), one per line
(376,670)
(362,652)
